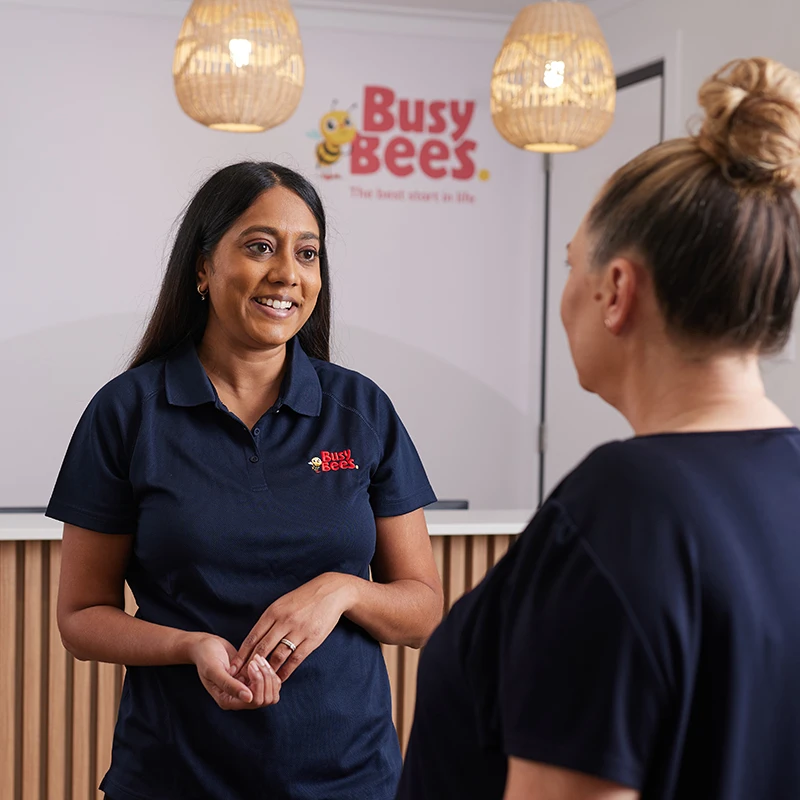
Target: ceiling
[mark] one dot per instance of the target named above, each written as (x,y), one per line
(499,7)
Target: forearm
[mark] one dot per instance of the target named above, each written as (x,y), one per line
(107,633)
(403,612)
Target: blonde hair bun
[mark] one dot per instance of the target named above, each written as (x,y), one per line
(752,123)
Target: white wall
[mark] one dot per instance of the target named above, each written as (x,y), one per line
(713,32)
(695,38)
(576,420)
(437,304)
(88,123)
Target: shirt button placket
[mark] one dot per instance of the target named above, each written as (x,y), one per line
(255,469)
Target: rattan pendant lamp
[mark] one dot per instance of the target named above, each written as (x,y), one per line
(553,90)
(239,64)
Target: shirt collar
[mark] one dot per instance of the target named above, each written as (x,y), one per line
(187,383)
(301,389)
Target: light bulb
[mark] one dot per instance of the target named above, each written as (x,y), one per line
(238,64)
(553,88)
(240,51)
(554,74)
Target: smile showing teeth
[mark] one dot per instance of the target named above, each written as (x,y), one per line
(283,305)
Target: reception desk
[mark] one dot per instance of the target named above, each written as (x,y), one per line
(57,714)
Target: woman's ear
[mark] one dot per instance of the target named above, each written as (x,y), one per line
(202,273)
(620,285)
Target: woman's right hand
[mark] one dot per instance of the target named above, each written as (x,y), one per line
(259,687)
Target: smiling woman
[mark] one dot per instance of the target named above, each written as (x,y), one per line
(263,281)
(287,256)
(232,215)
(199,477)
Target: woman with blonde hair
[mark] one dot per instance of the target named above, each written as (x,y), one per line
(642,638)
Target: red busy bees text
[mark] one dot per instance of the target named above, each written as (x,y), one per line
(328,461)
(446,153)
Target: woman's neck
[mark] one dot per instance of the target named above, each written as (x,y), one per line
(242,371)
(673,393)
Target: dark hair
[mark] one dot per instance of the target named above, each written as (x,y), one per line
(179,312)
(713,216)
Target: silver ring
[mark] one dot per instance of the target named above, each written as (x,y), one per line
(289,644)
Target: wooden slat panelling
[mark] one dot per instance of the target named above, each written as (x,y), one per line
(82,778)
(107,700)
(408,692)
(130,603)
(500,545)
(455,573)
(478,560)
(392,655)
(437,544)
(33,697)
(57,714)
(57,736)
(9,656)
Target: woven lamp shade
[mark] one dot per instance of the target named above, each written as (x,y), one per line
(553,84)
(239,64)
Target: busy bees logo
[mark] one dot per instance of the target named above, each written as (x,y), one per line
(328,461)
(441,146)
(336,131)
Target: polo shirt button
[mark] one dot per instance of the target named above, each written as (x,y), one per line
(254,459)
(256,431)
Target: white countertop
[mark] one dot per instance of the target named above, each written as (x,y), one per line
(35,527)
(477,523)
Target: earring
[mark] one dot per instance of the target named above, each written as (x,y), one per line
(203,294)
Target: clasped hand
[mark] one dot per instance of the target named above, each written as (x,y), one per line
(252,676)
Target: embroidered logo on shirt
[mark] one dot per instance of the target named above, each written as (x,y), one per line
(327,461)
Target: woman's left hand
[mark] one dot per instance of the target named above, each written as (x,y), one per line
(304,617)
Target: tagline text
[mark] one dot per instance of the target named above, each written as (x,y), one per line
(406,196)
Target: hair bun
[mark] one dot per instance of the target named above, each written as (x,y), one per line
(752,124)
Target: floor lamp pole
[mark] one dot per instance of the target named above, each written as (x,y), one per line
(548,169)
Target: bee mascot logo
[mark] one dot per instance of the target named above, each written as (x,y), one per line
(328,461)
(336,131)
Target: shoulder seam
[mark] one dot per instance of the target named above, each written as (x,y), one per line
(151,394)
(358,414)
(627,608)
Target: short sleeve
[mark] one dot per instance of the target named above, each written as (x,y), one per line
(588,654)
(399,484)
(93,489)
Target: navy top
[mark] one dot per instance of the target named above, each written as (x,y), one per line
(645,629)
(225,521)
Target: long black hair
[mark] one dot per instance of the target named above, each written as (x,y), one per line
(179,312)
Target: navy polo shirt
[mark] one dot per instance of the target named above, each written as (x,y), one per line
(225,521)
(645,629)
